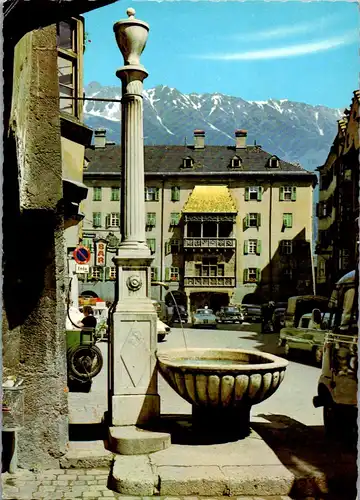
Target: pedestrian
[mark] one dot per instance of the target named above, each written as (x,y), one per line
(89,320)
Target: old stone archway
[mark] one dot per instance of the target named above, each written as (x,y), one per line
(214,300)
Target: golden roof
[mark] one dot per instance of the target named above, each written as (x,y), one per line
(210,199)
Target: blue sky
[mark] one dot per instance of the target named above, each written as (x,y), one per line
(302,51)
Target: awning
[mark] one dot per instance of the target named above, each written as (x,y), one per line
(210,199)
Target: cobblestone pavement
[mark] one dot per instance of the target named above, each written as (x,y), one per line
(89,484)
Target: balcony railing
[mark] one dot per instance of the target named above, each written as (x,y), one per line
(209,243)
(209,281)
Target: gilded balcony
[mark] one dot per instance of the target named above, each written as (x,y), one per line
(208,243)
(209,281)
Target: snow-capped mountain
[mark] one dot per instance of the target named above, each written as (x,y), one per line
(295,131)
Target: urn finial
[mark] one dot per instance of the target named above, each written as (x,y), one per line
(131,36)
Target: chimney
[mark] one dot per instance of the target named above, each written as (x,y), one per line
(100,138)
(240,139)
(199,139)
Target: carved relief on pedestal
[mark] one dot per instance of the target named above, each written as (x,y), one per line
(134,283)
(135,353)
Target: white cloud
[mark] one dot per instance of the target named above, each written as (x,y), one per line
(283,31)
(282,52)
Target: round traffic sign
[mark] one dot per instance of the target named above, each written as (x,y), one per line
(81,255)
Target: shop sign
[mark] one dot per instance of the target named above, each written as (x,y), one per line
(100,253)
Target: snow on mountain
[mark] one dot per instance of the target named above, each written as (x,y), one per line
(295,131)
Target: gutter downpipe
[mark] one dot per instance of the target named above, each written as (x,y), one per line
(270,241)
(162,277)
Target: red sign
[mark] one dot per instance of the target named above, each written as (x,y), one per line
(81,255)
(100,253)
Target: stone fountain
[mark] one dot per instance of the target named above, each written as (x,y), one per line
(222,384)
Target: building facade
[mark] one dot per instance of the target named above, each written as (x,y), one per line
(39,202)
(225,224)
(338,207)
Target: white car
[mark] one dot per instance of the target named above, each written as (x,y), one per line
(162,329)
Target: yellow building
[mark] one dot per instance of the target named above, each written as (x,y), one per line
(338,207)
(225,224)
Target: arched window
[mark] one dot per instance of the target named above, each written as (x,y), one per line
(188,162)
(274,162)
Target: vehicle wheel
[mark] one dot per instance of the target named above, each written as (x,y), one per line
(161,337)
(85,361)
(287,349)
(318,355)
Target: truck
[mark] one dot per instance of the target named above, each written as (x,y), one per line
(337,386)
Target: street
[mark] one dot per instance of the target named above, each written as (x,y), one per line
(293,399)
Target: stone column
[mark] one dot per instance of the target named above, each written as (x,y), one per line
(133,377)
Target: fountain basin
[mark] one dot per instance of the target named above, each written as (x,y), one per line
(222,378)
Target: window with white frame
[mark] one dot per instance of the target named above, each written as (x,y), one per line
(252,274)
(287,193)
(253,220)
(286,247)
(252,246)
(112,273)
(96,273)
(151,194)
(253,192)
(174,273)
(68,54)
(114,219)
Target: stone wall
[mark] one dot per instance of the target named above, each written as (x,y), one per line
(34,315)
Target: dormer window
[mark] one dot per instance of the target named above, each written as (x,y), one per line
(274,162)
(236,162)
(188,162)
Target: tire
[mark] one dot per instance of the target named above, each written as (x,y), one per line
(161,337)
(318,355)
(85,361)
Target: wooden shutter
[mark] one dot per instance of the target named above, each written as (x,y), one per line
(246,275)
(145,193)
(258,247)
(167,274)
(167,247)
(293,193)
(246,247)
(247,220)
(258,222)
(107,221)
(259,194)
(90,274)
(258,275)
(107,273)
(157,194)
(247,194)
(155,273)
(281,193)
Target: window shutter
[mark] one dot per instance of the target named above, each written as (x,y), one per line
(167,274)
(157,194)
(90,274)
(167,247)
(281,193)
(145,194)
(293,193)
(259,194)
(118,217)
(258,274)
(155,273)
(246,275)
(101,274)
(246,247)
(107,273)
(258,220)
(247,195)
(107,220)
(247,220)
(258,247)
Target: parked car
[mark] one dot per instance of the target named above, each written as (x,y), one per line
(230,314)
(173,314)
(252,312)
(204,317)
(337,388)
(162,330)
(308,336)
